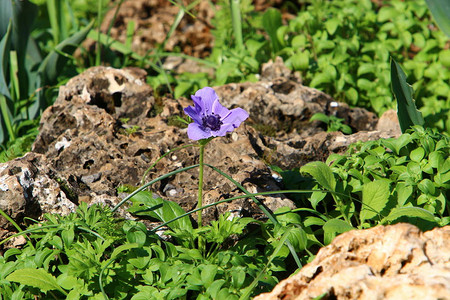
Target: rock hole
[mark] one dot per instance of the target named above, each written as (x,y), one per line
(316,273)
(145,152)
(15,170)
(119,79)
(331,295)
(99,101)
(87,164)
(117,97)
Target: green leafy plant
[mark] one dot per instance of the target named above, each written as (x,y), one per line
(333,123)
(92,254)
(383,182)
(343,48)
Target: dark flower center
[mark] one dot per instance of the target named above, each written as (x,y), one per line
(212,122)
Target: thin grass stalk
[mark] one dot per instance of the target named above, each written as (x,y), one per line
(72,16)
(99,44)
(62,23)
(7,117)
(152,182)
(130,32)
(174,26)
(261,205)
(187,8)
(249,195)
(161,157)
(31,230)
(15,82)
(9,219)
(237,23)
(112,22)
(100,279)
(53,18)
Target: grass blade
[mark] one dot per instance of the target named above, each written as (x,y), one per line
(24,15)
(152,182)
(264,209)
(7,119)
(408,115)
(237,23)
(53,62)
(440,9)
(99,45)
(5,46)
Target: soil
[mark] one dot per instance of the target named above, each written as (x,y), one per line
(151,22)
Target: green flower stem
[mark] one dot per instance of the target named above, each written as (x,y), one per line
(201,144)
(200,184)
(201,240)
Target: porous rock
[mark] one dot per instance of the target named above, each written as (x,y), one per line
(106,128)
(385,262)
(280,108)
(389,122)
(27,188)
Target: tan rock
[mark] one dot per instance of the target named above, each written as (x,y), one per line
(28,188)
(385,262)
(106,128)
(388,122)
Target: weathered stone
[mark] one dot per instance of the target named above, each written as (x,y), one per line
(280,108)
(83,136)
(106,129)
(389,123)
(28,188)
(385,262)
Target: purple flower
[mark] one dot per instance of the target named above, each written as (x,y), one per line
(210,117)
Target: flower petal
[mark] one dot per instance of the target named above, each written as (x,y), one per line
(219,109)
(193,113)
(236,116)
(224,129)
(208,96)
(196,132)
(198,104)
